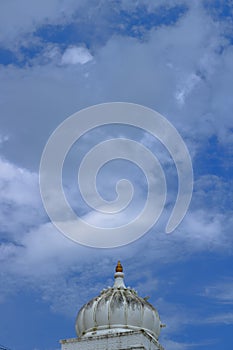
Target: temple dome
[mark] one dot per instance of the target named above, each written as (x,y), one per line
(117,309)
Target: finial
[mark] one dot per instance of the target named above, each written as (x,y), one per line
(119,276)
(119,267)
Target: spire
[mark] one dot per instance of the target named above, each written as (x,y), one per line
(119,267)
(119,276)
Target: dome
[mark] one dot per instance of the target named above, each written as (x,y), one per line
(117,309)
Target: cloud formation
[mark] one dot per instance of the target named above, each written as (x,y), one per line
(76,55)
(183,68)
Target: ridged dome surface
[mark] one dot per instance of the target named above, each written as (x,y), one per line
(115,309)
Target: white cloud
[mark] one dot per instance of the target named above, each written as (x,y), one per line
(20,202)
(18,19)
(225,318)
(3,138)
(186,88)
(221,291)
(180,59)
(76,55)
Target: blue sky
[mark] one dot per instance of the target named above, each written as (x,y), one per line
(58,57)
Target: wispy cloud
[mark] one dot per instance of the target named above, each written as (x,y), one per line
(224,318)
(222,291)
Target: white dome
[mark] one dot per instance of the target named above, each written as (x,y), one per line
(116,309)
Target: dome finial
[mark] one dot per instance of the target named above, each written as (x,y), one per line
(119,267)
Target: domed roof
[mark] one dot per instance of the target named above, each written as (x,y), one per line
(117,309)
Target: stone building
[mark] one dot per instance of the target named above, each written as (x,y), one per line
(117,319)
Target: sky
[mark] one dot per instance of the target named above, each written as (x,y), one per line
(58,57)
